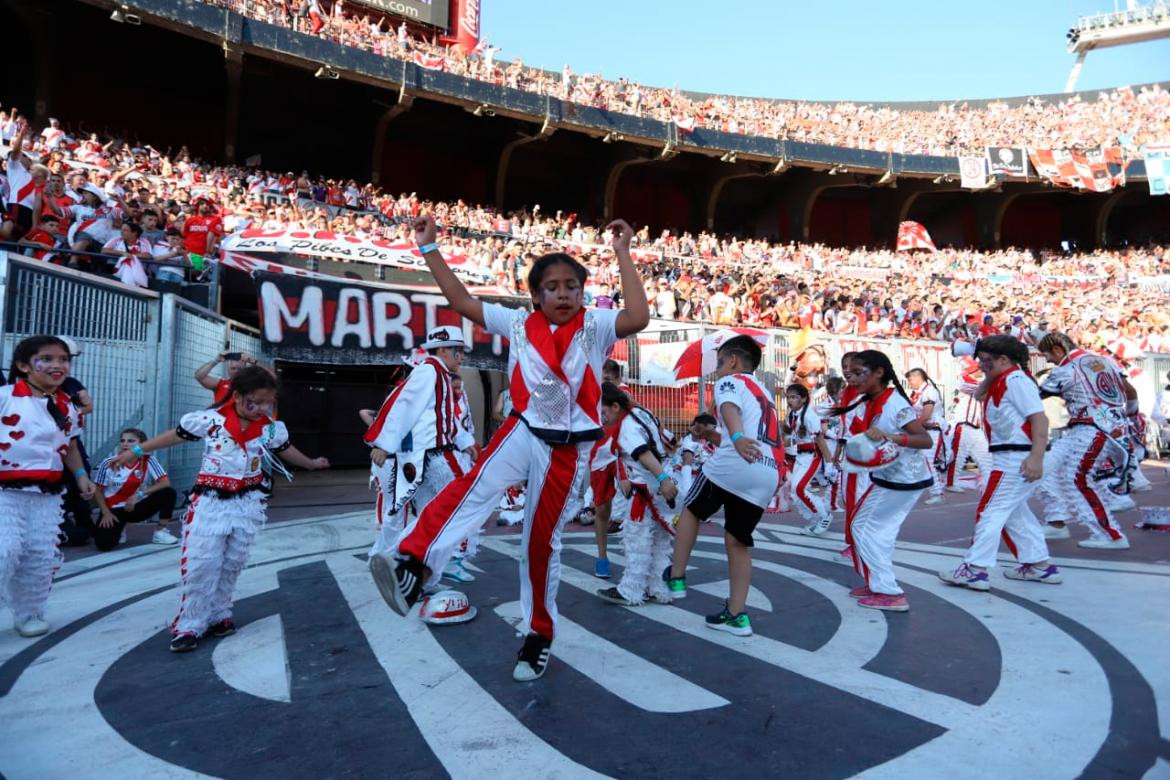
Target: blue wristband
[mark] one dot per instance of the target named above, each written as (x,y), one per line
(80,473)
(431,247)
(662,477)
(736,436)
(137,450)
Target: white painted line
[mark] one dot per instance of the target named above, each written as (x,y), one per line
(255,660)
(624,674)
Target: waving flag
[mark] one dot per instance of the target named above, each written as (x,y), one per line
(428,61)
(686,124)
(912,235)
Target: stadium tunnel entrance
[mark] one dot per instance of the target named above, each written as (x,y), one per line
(327,398)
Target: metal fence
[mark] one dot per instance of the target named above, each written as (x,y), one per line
(138,349)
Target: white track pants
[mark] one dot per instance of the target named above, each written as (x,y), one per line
(648,540)
(1003,512)
(28,550)
(879,516)
(217,536)
(812,508)
(853,488)
(936,444)
(968,442)
(514,455)
(1068,487)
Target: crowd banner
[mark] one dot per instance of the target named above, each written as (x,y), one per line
(973,173)
(1007,161)
(324,243)
(322,320)
(1084,169)
(1157,157)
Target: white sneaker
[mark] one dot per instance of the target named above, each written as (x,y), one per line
(933,500)
(163,536)
(1049,575)
(457,573)
(956,489)
(1122,504)
(1105,544)
(1145,487)
(32,627)
(122,538)
(1055,531)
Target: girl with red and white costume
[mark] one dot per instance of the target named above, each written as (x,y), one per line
(928,403)
(850,409)
(1095,393)
(610,505)
(649,534)
(38,440)
(894,486)
(966,438)
(1016,426)
(229,501)
(807,452)
(554,363)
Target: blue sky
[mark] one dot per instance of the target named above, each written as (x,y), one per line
(848,49)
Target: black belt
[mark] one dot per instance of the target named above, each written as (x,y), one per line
(1010,448)
(806,448)
(549,436)
(901,485)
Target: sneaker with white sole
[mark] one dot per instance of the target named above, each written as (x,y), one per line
(456,573)
(1122,504)
(933,500)
(956,489)
(1056,531)
(817,528)
(1104,544)
(614,597)
(739,625)
(399,582)
(1026,572)
(163,536)
(533,658)
(885,602)
(33,626)
(966,576)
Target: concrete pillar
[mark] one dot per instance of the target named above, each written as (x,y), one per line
(233,60)
(405,100)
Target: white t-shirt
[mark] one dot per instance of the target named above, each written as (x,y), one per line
(755,482)
(929,395)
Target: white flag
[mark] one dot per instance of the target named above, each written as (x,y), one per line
(973,171)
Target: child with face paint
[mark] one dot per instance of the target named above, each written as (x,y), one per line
(38,441)
(554,366)
(229,501)
(807,452)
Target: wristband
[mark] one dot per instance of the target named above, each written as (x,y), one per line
(137,450)
(661,477)
(80,473)
(431,247)
(736,436)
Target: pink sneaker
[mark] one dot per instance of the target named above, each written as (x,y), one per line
(886,602)
(861,592)
(845,556)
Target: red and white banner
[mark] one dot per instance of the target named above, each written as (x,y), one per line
(464,26)
(428,61)
(685,124)
(323,243)
(912,235)
(1082,170)
(973,172)
(863,272)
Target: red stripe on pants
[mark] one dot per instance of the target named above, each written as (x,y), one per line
(443,507)
(554,494)
(954,455)
(801,487)
(183,560)
(992,483)
(858,564)
(453,462)
(1090,495)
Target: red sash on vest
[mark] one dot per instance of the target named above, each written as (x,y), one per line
(995,394)
(131,485)
(236,428)
(873,409)
(444,407)
(552,347)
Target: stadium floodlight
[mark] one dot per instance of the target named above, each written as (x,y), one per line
(887,178)
(122,15)
(781,164)
(610,138)
(1136,24)
(326,73)
(939,179)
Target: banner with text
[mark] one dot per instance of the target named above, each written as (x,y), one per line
(1157,157)
(318,320)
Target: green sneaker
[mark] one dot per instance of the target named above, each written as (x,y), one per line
(677,587)
(740,624)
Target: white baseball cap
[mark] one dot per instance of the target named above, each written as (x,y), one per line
(444,336)
(446,606)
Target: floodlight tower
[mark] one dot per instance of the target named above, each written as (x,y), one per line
(1136,24)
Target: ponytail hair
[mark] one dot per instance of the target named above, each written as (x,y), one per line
(922,373)
(612,394)
(250,379)
(874,360)
(799,389)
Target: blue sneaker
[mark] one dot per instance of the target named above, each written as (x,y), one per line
(601,569)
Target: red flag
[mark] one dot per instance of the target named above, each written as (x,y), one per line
(912,235)
(686,124)
(428,61)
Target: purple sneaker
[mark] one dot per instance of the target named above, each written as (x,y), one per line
(1050,575)
(966,577)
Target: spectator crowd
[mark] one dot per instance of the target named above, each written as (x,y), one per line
(160,213)
(1119,117)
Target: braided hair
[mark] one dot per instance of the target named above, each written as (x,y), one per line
(874,361)
(926,377)
(798,389)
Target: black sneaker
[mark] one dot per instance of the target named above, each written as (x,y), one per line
(533,658)
(221,629)
(399,582)
(614,597)
(184,643)
(614,528)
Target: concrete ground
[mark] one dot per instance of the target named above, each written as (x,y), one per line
(322,680)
